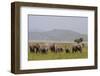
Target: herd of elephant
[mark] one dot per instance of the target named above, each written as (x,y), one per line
(43,50)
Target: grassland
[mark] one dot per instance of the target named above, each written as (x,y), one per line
(63,55)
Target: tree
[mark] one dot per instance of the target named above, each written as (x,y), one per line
(81,39)
(78,40)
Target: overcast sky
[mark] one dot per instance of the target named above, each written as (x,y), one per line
(46,23)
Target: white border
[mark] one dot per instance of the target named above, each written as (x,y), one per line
(25,64)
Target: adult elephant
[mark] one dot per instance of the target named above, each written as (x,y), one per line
(43,50)
(35,48)
(59,50)
(77,48)
(32,49)
(54,48)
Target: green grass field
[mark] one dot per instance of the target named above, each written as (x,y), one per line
(62,55)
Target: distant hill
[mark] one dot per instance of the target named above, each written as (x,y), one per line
(56,35)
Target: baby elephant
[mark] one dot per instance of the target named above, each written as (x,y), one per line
(67,50)
(44,50)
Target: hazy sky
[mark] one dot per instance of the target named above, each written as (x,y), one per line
(46,23)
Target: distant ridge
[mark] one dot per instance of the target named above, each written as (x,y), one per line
(56,35)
